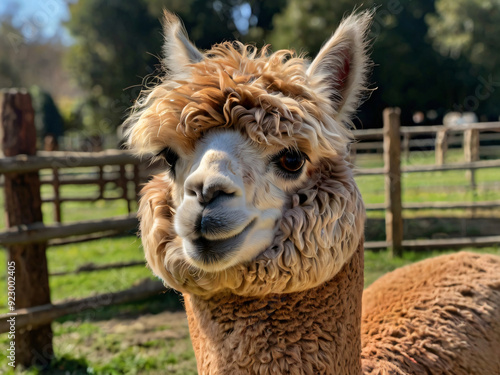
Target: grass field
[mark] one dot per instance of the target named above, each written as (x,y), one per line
(448,186)
(151,337)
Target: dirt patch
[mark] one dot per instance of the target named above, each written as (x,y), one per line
(144,344)
(137,331)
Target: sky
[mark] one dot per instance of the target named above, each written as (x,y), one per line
(38,19)
(42,19)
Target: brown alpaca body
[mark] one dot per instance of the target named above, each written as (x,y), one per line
(446,323)
(438,316)
(311,332)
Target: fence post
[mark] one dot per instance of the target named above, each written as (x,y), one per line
(471,153)
(392,169)
(56,185)
(23,206)
(406,146)
(441,146)
(102,183)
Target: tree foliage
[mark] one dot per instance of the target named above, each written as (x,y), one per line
(468,27)
(118,44)
(24,64)
(115,43)
(214,21)
(468,31)
(407,71)
(34,65)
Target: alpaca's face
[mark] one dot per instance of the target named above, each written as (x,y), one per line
(256,195)
(229,194)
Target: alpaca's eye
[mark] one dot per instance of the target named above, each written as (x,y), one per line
(290,162)
(170,157)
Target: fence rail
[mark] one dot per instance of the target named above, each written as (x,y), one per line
(484,205)
(483,164)
(362,134)
(439,137)
(55,161)
(39,232)
(65,159)
(37,316)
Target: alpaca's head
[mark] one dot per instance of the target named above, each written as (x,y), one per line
(256,196)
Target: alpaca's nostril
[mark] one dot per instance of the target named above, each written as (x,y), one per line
(191,193)
(209,194)
(213,192)
(214,195)
(195,191)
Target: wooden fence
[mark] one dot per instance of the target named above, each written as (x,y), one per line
(396,140)
(27,236)
(114,167)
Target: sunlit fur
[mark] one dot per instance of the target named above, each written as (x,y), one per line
(270,101)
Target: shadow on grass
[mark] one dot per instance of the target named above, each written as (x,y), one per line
(64,366)
(168,301)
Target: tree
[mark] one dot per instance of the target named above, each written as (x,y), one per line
(468,31)
(10,74)
(305,25)
(468,27)
(407,73)
(119,43)
(115,47)
(220,20)
(37,62)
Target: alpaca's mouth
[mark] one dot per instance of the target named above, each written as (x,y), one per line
(210,252)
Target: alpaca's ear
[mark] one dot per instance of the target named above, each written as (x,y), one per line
(339,71)
(178,50)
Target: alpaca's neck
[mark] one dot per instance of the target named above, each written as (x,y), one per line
(311,332)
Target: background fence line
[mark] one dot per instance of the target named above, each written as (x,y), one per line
(395,141)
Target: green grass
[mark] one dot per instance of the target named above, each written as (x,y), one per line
(120,344)
(447,186)
(70,257)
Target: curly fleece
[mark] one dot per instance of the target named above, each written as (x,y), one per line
(282,333)
(439,316)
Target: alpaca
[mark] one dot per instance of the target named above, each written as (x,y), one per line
(258,222)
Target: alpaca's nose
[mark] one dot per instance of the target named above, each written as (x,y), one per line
(208,191)
(213,179)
